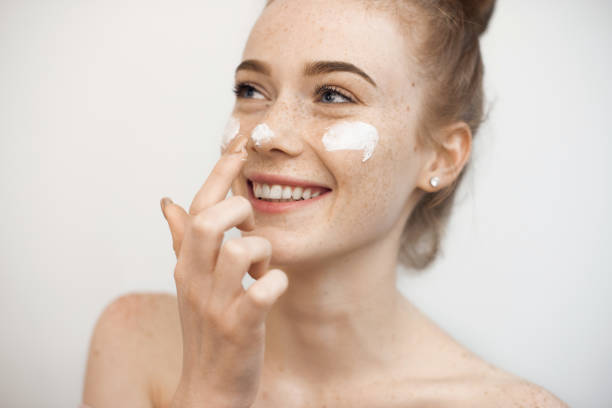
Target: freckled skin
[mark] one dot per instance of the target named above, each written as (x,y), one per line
(291,112)
(342,335)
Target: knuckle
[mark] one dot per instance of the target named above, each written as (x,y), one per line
(193,296)
(261,244)
(217,319)
(225,327)
(243,201)
(210,315)
(234,248)
(205,225)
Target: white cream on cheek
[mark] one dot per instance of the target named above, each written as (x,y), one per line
(352,136)
(261,134)
(231,131)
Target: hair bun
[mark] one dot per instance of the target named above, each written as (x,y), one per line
(478,12)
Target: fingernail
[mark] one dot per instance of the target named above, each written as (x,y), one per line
(240,148)
(164,202)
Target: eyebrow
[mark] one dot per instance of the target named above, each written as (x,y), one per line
(310,69)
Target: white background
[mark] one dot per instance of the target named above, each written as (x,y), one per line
(106,106)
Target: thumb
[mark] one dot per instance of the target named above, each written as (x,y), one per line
(177,218)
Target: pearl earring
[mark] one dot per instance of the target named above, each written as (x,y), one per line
(434,181)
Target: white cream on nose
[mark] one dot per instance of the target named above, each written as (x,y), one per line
(261,134)
(231,131)
(352,136)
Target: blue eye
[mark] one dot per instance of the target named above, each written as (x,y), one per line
(244,90)
(330,94)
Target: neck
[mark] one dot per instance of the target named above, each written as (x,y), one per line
(338,318)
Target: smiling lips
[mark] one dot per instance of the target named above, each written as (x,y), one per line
(285,193)
(275,198)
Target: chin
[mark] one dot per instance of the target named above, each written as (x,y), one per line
(293,248)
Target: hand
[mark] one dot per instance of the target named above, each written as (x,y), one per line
(223,325)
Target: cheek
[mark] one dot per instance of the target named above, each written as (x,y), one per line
(372,193)
(360,136)
(366,189)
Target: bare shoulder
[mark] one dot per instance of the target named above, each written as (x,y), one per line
(141,319)
(467,380)
(481,388)
(483,384)
(486,385)
(133,343)
(512,392)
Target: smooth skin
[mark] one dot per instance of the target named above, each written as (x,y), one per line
(223,325)
(324,323)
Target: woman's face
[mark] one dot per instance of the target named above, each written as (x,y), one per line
(282,89)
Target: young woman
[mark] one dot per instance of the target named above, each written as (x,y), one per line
(353,125)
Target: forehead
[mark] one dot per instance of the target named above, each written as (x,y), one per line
(290,33)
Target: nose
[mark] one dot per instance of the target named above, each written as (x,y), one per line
(278,132)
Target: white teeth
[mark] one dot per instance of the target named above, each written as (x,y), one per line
(286,193)
(283,193)
(276,192)
(297,193)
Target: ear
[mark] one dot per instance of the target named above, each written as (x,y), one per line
(448,160)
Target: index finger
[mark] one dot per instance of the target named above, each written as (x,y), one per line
(220,179)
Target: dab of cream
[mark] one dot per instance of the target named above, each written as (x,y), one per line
(352,136)
(231,131)
(261,134)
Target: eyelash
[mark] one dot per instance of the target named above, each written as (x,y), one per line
(322,89)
